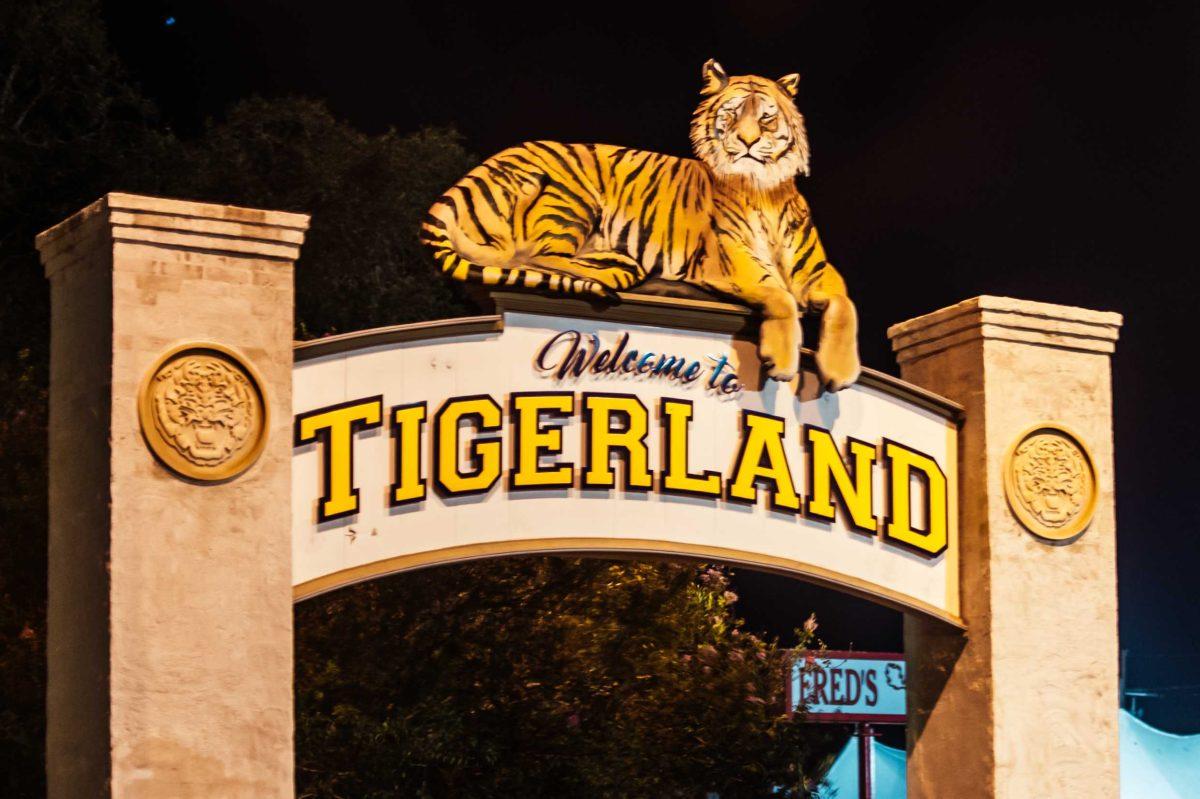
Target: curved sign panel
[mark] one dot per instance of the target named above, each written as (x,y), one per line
(642,429)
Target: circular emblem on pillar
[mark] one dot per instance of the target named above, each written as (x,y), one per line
(1050,481)
(203,412)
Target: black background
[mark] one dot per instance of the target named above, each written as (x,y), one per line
(958,149)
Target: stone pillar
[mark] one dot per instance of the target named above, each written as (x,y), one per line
(170,617)
(1025,702)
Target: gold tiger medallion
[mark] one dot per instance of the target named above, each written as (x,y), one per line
(203,412)
(598,219)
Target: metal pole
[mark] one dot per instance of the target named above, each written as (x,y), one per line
(864,733)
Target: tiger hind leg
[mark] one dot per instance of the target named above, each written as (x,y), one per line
(532,246)
(526,277)
(448,254)
(614,270)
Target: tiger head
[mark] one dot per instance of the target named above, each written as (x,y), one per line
(748,127)
(205,409)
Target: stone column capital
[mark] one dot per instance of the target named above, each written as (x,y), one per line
(1005,319)
(227,230)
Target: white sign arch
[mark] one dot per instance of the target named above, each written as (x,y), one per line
(644,429)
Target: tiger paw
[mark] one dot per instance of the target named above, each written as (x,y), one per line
(602,291)
(837,363)
(779,348)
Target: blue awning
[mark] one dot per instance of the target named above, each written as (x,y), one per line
(1157,764)
(1154,765)
(841,781)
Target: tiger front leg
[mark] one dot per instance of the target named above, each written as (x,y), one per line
(837,352)
(779,336)
(818,286)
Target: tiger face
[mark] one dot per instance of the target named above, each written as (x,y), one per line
(205,409)
(748,127)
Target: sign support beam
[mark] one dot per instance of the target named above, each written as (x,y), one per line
(1024,702)
(865,734)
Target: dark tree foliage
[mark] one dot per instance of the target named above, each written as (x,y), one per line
(361,265)
(488,680)
(69,126)
(73,127)
(543,677)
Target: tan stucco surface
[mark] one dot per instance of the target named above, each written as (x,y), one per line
(190,693)
(1024,703)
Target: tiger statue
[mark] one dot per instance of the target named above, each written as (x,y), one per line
(596,219)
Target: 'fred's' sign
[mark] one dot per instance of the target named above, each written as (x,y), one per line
(844,687)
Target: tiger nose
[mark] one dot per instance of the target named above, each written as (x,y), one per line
(748,132)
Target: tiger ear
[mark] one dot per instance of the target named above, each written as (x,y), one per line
(713,75)
(790,83)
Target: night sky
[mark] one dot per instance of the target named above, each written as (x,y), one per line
(957,151)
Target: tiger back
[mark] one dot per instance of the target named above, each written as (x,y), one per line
(583,218)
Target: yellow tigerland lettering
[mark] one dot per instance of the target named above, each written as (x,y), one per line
(762,459)
(902,464)
(483,456)
(601,440)
(532,440)
(407,422)
(676,418)
(335,427)
(828,473)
